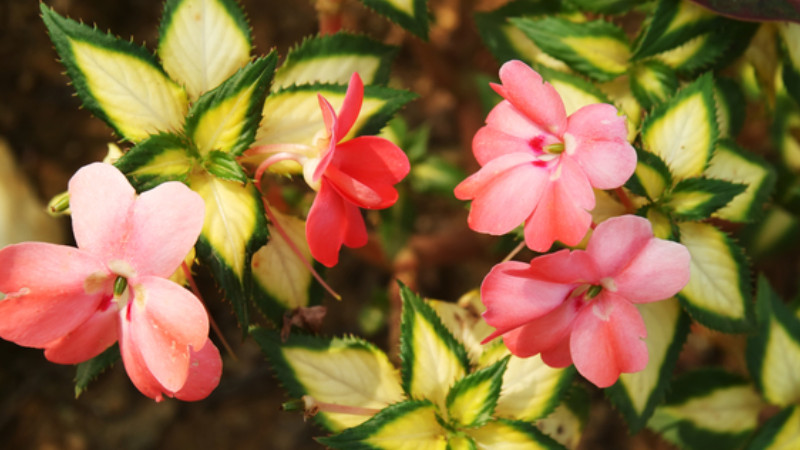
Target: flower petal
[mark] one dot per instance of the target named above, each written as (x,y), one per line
(205,371)
(526,90)
(505,121)
(164,227)
(490,143)
(616,241)
(659,271)
(513,298)
(564,266)
(545,334)
(333,221)
(608,339)
(563,211)
(472,185)
(351,106)
(165,320)
(101,200)
(558,356)
(329,117)
(134,363)
(88,340)
(49,290)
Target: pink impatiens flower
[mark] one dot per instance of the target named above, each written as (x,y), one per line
(76,302)
(579,306)
(347,175)
(539,166)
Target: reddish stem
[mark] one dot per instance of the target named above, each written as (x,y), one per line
(329,13)
(626,201)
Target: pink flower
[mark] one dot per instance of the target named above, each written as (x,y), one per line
(579,306)
(76,302)
(348,175)
(539,166)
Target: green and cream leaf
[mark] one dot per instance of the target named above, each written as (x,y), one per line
(698,198)
(472,399)
(652,82)
(780,432)
(504,434)
(651,178)
(409,14)
(674,23)
(155,160)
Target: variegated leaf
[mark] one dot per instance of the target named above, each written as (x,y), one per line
(568,421)
(432,359)
(718,292)
(118,81)
(652,82)
(409,14)
(410,424)
(732,163)
(710,50)
(790,32)
(683,131)
(511,435)
(698,198)
(157,159)
(341,371)
(674,23)
(776,232)
(234,228)
(531,388)
(333,59)
(574,91)
(471,401)
(708,406)
(203,42)
(773,355)
(651,178)
(636,394)
(731,106)
(780,432)
(226,118)
(596,49)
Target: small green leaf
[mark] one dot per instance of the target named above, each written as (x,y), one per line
(636,394)
(342,371)
(731,106)
(118,81)
(683,131)
(698,198)
(234,228)
(333,59)
(596,49)
(712,50)
(203,42)
(88,371)
(224,166)
(409,14)
(777,232)
(773,354)
(708,409)
(781,431)
(575,91)
(651,177)
(409,424)
(155,160)
(471,401)
(652,82)
(511,435)
(432,359)
(226,118)
(718,292)
(674,23)
(733,163)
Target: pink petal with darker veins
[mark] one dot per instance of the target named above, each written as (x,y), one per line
(99,332)
(616,241)
(608,339)
(473,185)
(564,266)
(134,363)
(165,320)
(333,221)
(558,356)
(659,271)
(506,119)
(101,199)
(490,143)
(49,291)
(545,333)
(164,225)
(527,91)
(513,298)
(205,371)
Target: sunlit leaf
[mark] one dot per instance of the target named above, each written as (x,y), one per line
(203,42)
(465,322)
(346,371)
(575,91)
(698,198)
(118,81)
(568,421)
(780,432)
(471,401)
(511,435)
(157,159)
(652,176)
(652,82)
(731,162)
(674,23)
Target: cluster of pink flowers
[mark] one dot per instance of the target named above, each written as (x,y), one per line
(539,167)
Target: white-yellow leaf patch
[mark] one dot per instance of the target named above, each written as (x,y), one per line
(780,371)
(728,410)
(504,436)
(605,53)
(335,69)
(530,389)
(727,164)
(220,127)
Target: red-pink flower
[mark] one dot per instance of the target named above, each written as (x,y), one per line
(348,175)
(76,302)
(539,166)
(579,306)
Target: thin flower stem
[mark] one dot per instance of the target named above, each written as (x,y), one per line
(297,251)
(276,158)
(214,326)
(626,201)
(514,252)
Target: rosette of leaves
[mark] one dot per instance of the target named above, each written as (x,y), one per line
(449,393)
(192,108)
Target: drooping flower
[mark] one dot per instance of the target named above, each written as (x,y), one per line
(579,306)
(76,302)
(539,166)
(347,175)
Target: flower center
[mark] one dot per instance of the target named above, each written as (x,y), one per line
(554,149)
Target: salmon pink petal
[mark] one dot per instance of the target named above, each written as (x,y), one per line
(88,340)
(607,339)
(372,159)
(329,117)
(597,122)
(659,271)
(616,241)
(513,298)
(373,196)
(545,333)
(526,90)
(478,181)
(333,221)
(164,227)
(559,355)
(205,370)
(135,365)
(562,213)
(165,320)
(48,291)
(101,200)
(490,143)
(351,106)
(507,119)
(564,266)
